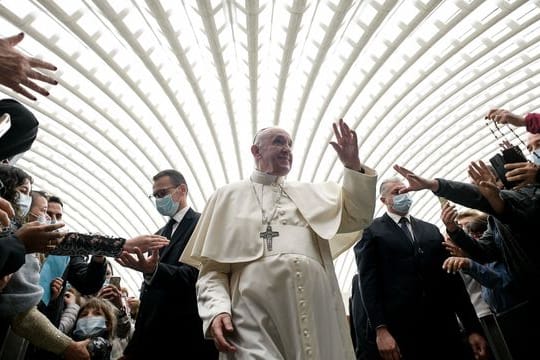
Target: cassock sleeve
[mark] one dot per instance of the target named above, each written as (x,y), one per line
(213,292)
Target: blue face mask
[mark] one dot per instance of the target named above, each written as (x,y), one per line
(534,157)
(90,326)
(402,203)
(23,202)
(167,206)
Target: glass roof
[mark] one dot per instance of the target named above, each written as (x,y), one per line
(150,85)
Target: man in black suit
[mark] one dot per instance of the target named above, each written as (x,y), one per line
(168,299)
(411,303)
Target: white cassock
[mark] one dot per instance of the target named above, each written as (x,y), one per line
(285,303)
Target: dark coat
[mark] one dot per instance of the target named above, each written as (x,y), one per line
(170,302)
(511,236)
(404,287)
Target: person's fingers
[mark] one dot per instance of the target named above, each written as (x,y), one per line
(395,355)
(18,88)
(445,264)
(32,85)
(15,39)
(345,130)
(519,165)
(6,207)
(489,185)
(38,63)
(4,218)
(336,133)
(52,227)
(219,336)
(41,77)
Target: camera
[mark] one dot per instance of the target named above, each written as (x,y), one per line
(99,348)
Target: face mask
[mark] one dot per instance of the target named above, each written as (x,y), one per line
(534,157)
(42,219)
(402,203)
(23,202)
(89,326)
(166,205)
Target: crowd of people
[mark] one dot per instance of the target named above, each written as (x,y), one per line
(252,275)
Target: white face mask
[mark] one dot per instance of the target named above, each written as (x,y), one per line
(534,157)
(23,202)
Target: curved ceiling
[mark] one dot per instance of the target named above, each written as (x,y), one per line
(149,85)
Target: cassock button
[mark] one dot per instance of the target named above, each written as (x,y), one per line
(284,222)
(282,212)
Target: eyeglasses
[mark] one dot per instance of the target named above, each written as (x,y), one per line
(161,193)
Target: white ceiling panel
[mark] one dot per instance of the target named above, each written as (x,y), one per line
(150,85)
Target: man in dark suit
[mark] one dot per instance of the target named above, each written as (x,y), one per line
(411,303)
(168,298)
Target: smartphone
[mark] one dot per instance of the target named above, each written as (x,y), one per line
(115,281)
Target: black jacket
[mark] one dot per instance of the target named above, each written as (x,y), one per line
(516,229)
(404,287)
(168,321)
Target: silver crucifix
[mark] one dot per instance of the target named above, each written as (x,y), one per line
(268,235)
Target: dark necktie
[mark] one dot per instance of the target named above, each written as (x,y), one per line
(403,224)
(168,229)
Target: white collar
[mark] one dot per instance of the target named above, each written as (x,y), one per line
(180,214)
(397,217)
(260,177)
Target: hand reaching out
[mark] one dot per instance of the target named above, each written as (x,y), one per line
(453,249)
(416,182)
(502,116)
(448,217)
(17,69)
(146,265)
(482,176)
(453,264)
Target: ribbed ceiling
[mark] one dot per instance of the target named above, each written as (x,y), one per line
(150,85)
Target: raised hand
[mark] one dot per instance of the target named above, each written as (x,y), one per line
(448,216)
(416,182)
(503,116)
(483,177)
(346,145)
(17,69)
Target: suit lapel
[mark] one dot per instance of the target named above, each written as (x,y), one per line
(180,232)
(392,224)
(417,230)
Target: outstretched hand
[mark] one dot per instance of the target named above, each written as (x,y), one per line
(18,70)
(416,182)
(484,178)
(503,116)
(346,145)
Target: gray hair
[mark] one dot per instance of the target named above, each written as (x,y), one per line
(383,188)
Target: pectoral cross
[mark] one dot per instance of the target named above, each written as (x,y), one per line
(268,235)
